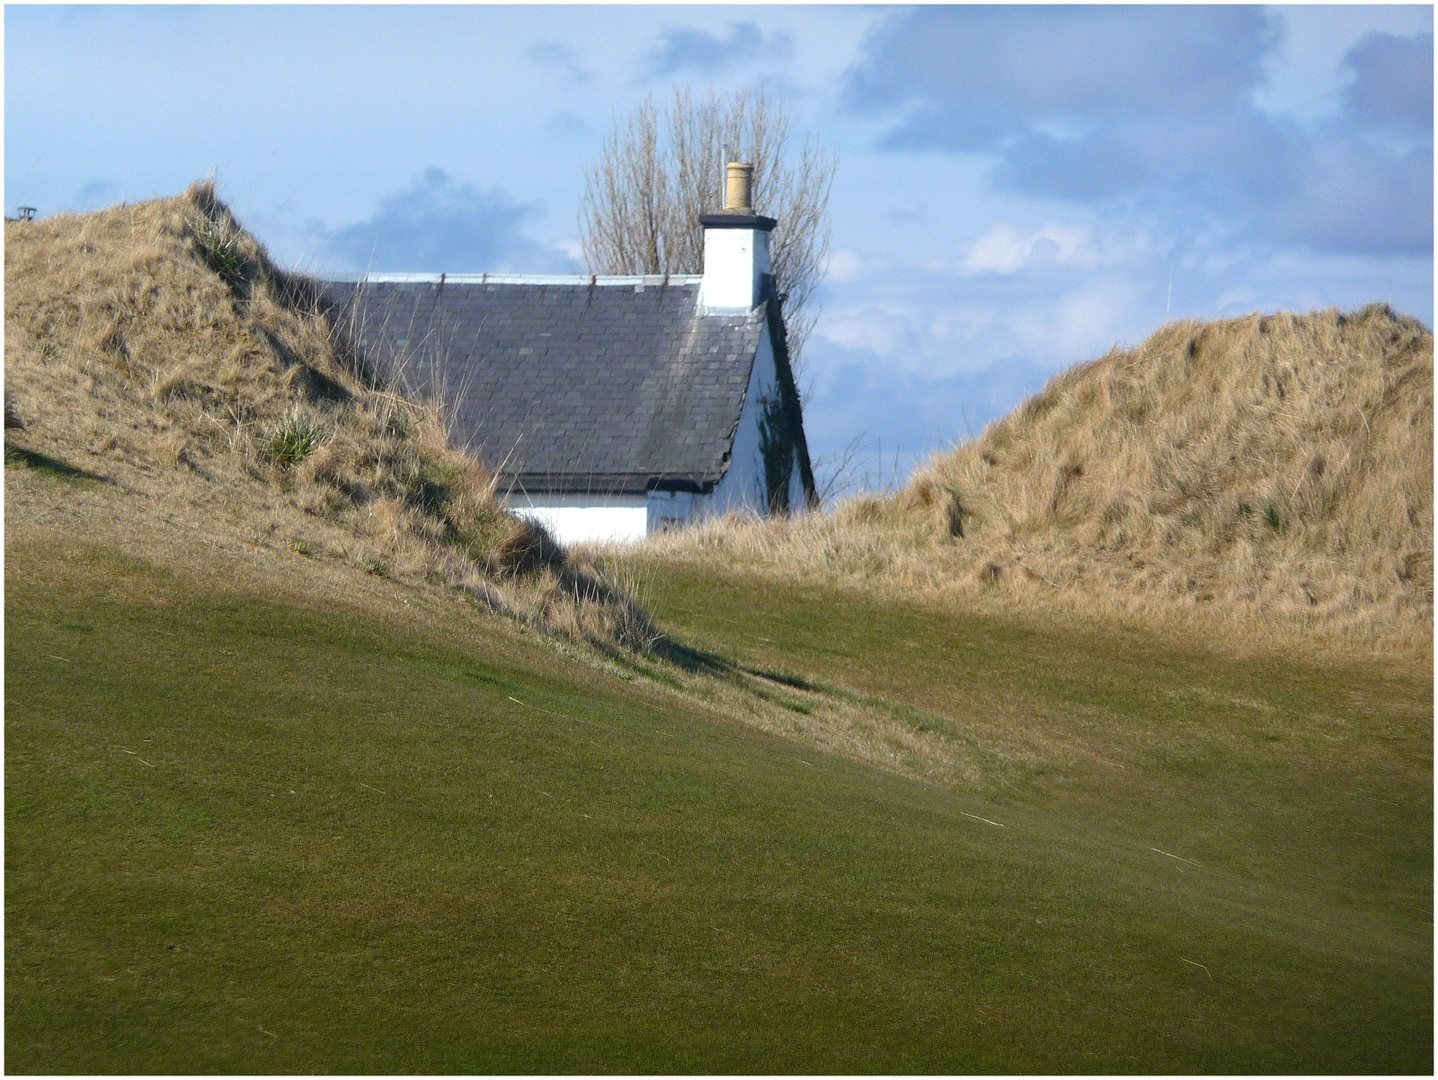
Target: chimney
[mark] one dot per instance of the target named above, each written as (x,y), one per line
(738,180)
(737,271)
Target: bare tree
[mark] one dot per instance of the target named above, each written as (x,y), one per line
(661,169)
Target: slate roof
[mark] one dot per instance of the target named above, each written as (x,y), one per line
(565,387)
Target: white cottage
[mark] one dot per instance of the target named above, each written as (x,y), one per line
(610,407)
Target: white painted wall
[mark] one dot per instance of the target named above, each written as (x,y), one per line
(734,262)
(798,498)
(742,488)
(670,509)
(574,519)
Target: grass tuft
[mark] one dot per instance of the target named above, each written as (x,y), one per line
(221,246)
(299,435)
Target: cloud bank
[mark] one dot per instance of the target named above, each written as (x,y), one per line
(1154,109)
(436,225)
(686,50)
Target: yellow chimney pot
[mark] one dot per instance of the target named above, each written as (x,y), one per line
(738,188)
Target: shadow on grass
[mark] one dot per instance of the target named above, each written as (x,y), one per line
(18,456)
(701,662)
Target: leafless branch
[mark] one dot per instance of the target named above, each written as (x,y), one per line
(661,168)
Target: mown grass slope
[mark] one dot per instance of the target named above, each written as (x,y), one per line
(287,817)
(1264,763)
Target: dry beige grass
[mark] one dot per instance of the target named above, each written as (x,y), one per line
(156,345)
(1263,479)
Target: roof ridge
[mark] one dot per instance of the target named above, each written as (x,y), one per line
(514,279)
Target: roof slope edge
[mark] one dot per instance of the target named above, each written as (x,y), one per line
(514,279)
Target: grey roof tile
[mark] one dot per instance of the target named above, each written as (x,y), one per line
(565,387)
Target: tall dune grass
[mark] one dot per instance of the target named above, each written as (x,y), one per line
(1269,476)
(158,345)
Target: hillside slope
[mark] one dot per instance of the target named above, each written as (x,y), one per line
(279,798)
(1266,475)
(266,814)
(156,347)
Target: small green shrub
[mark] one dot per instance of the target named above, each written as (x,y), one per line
(1273,517)
(298,436)
(479,530)
(220,247)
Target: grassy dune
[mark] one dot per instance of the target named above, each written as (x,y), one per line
(1260,479)
(155,344)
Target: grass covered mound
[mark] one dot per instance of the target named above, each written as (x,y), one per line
(1281,462)
(156,346)
(1270,475)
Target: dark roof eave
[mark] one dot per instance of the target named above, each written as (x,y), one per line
(604,483)
(738,221)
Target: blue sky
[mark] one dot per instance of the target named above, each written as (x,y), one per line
(1019,188)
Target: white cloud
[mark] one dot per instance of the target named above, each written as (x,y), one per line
(1004,249)
(1236,301)
(914,320)
(883,332)
(1007,248)
(1092,318)
(844,266)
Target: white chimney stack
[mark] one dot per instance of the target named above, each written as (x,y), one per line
(737,271)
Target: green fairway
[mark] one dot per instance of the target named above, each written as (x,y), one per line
(244,835)
(1296,775)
